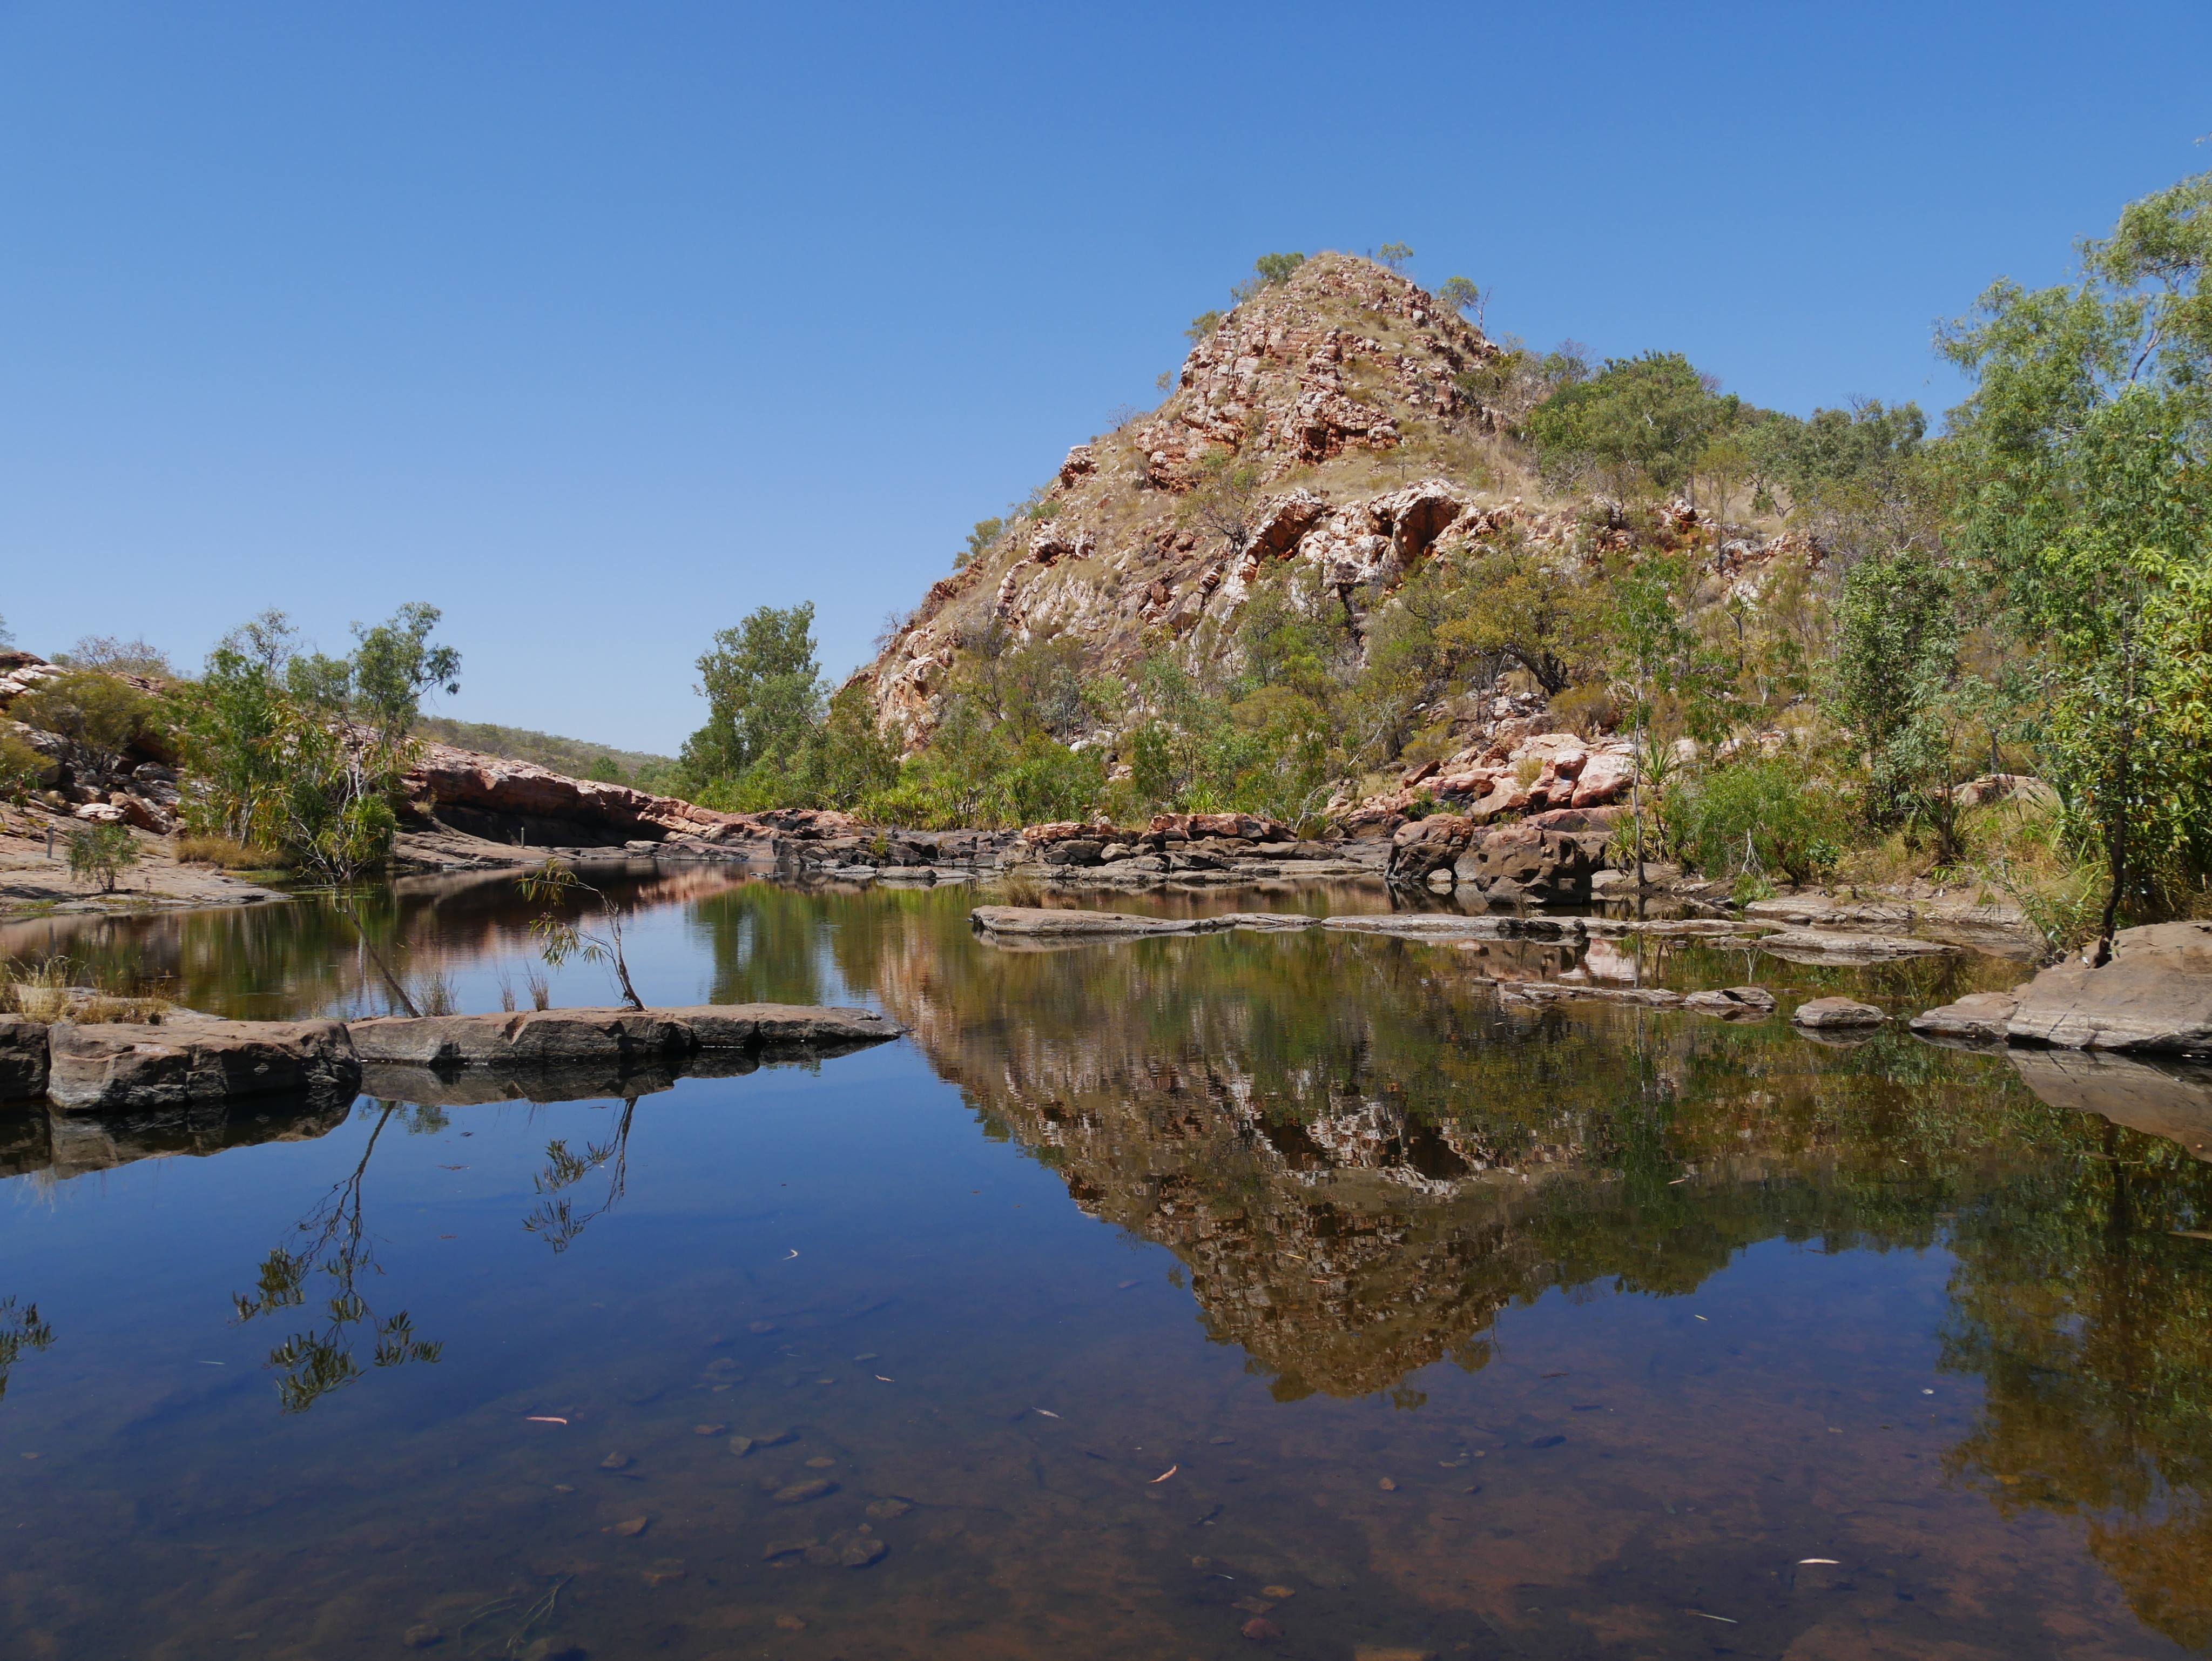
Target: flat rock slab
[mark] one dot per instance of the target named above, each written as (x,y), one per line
(2154,995)
(1732,1002)
(2172,1099)
(1977,1018)
(1045,921)
(556,1037)
(1839,946)
(1439,925)
(1831,1014)
(108,1066)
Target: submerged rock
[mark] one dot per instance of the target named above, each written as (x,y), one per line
(1039,922)
(1838,946)
(1732,1002)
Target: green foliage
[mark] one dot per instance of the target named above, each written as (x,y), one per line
(561,937)
(1202,326)
(23,769)
(1393,255)
(605,769)
(1514,604)
(1895,683)
(1461,294)
(101,853)
(307,754)
(2083,455)
(118,657)
(1639,422)
(1268,270)
(99,715)
(1755,819)
(764,692)
(985,533)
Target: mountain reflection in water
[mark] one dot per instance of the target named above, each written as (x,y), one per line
(1364,1166)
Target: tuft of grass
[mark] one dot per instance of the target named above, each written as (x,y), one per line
(226,854)
(47,991)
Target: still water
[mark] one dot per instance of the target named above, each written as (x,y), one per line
(1145,1293)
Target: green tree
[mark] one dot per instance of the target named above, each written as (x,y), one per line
(100,715)
(1394,255)
(1518,605)
(985,533)
(101,853)
(1895,683)
(1461,294)
(2083,455)
(1639,421)
(764,692)
(1202,326)
(1268,270)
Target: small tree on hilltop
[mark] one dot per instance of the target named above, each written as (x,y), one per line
(1268,270)
(1463,297)
(1394,255)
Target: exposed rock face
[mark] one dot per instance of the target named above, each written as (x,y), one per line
(492,797)
(1529,862)
(2154,995)
(130,1066)
(22,1057)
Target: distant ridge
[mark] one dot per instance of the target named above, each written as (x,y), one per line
(574,757)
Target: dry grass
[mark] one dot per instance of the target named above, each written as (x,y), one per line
(226,854)
(49,992)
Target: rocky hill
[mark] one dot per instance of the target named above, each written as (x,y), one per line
(1344,418)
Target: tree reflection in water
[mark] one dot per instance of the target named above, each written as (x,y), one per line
(19,1329)
(314,1363)
(556,1221)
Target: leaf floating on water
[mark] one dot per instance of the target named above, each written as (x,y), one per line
(882,1380)
(1047,1412)
(1387,1485)
(537,1418)
(1830,1561)
(631,1527)
(1164,1475)
(793,1254)
(1727,1621)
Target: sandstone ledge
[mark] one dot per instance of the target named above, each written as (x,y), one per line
(555,1036)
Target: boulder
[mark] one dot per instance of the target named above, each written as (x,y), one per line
(22,1057)
(1527,863)
(2155,994)
(1977,1018)
(1604,777)
(131,1064)
(1828,1014)
(1429,845)
(1732,1002)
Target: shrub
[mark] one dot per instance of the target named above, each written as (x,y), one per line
(97,713)
(101,853)
(1754,819)
(22,769)
(1587,709)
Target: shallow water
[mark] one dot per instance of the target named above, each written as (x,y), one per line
(1462,1329)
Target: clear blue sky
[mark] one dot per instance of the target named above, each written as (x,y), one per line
(599,326)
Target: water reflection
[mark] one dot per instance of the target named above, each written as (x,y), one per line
(1382,1185)
(20,1329)
(335,1242)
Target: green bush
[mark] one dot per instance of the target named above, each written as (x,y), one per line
(1756,819)
(101,853)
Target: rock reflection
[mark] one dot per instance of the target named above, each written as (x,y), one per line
(336,1244)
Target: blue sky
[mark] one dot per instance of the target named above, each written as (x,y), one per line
(600,325)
